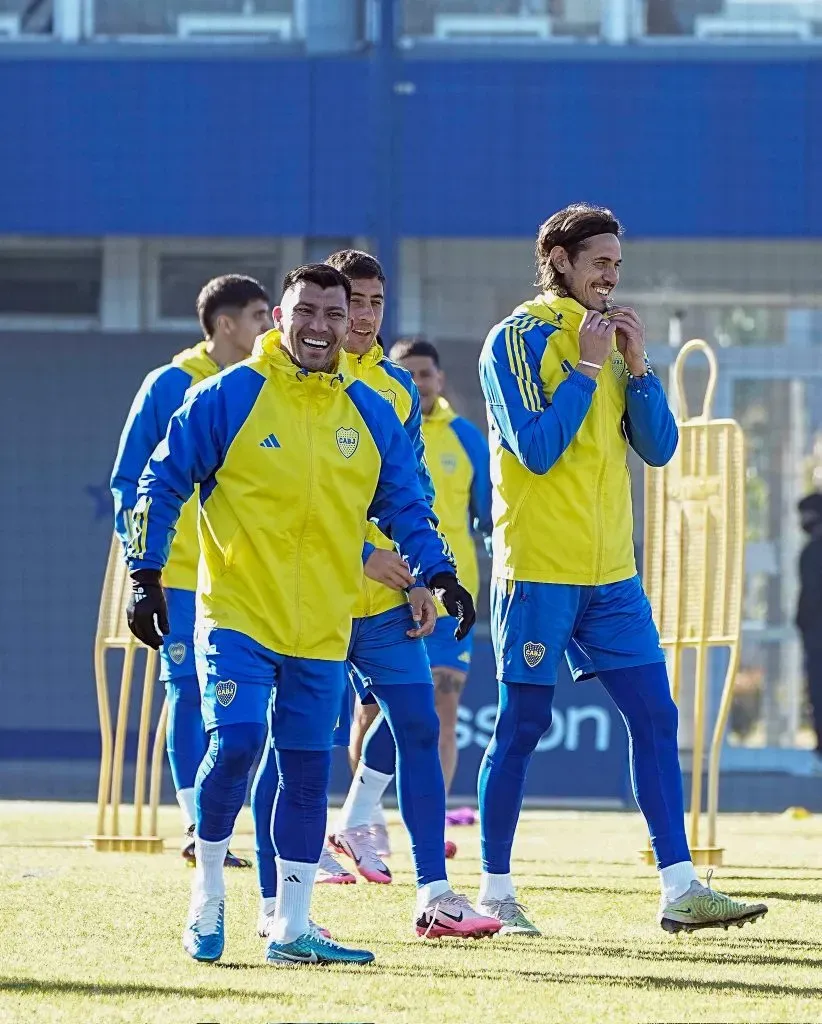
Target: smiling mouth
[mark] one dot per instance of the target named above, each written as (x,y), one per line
(316,344)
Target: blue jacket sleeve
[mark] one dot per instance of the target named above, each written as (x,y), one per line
(413,427)
(533,429)
(476,448)
(649,423)
(189,454)
(399,506)
(160,394)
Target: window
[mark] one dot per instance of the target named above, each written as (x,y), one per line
(50,280)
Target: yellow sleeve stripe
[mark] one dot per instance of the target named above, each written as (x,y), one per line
(518,361)
(139,522)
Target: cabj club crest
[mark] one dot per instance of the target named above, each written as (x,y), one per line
(226,692)
(177,653)
(390,397)
(534,653)
(347,440)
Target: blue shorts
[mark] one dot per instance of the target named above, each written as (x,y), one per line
(446,652)
(177,652)
(533,625)
(381,652)
(237,676)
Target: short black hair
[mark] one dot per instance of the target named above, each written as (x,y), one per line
(356,265)
(320,274)
(811,504)
(406,347)
(571,228)
(229,293)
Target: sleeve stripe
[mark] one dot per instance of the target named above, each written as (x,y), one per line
(139,532)
(518,361)
(513,362)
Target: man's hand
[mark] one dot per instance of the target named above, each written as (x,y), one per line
(388,568)
(423,612)
(457,601)
(147,612)
(596,341)
(630,337)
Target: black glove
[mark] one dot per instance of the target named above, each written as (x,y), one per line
(457,601)
(146,603)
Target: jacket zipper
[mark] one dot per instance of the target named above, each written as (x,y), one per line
(600,480)
(310,476)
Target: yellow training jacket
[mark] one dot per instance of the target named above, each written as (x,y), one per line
(561,490)
(291,465)
(397,387)
(457,457)
(160,396)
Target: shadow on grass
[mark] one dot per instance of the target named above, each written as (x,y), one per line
(749,954)
(633,981)
(205,990)
(534,975)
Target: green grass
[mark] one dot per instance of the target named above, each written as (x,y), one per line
(95,937)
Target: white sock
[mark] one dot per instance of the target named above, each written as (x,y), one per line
(185,798)
(495,887)
(365,793)
(676,879)
(295,882)
(208,876)
(430,891)
(378,816)
(268,904)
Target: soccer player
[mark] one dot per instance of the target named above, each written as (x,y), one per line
(457,456)
(568,388)
(292,457)
(388,662)
(232,311)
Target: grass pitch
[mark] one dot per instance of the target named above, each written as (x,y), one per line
(95,937)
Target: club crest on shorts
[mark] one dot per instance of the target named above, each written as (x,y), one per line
(390,396)
(177,653)
(347,440)
(533,653)
(226,692)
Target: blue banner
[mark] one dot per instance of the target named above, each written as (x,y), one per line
(582,760)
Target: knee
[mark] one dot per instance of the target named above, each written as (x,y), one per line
(234,747)
(420,728)
(527,734)
(519,729)
(304,774)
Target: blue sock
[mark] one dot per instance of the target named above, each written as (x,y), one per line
(186,739)
(524,714)
(301,805)
(412,717)
(379,751)
(643,697)
(263,793)
(219,789)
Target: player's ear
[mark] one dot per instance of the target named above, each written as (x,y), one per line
(277,317)
(559,258)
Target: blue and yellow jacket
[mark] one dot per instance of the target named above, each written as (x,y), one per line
(457,457)
(159,397)
(291,465)
(561,489)
(397,387)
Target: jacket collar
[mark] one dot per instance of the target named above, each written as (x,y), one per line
(441,413)
(270,345)
(356,365)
